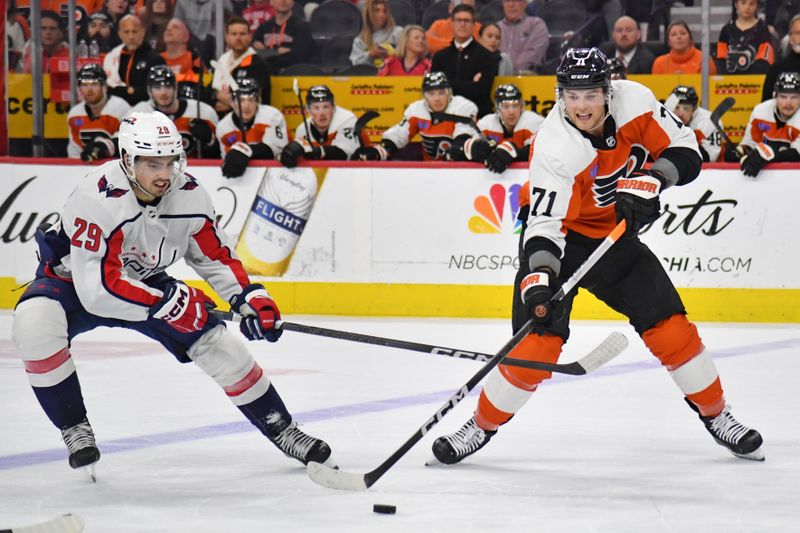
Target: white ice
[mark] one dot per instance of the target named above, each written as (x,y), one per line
(616,451)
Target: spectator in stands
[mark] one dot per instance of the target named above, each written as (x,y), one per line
(469,67)
(378,37)
(186,64)
(99,34)
(745,43)
(410,57)
(17,33)
(419,118)
(156,15)
(626,45)
(116,9)
(789,63)
(525,38)
(52,40)
(286,38)
(252,131)
(93,123)
(328,134)
(258,12)
(489,37)
(239,62)
(196,121)
(683,57)
(440,34)
(128,64)
(201,18)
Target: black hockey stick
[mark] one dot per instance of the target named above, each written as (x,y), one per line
(575,368)
(437,117)
(607,350)
(723,107)
(361,122)
(69,523)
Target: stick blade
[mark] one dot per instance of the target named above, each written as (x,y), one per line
(612,346)
(335,479)
(69,523)
(723,107)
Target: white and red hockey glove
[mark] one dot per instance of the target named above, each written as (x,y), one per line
(182,307)
(637,199)
(259,313)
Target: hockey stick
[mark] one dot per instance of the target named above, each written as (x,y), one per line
(296,91)
(437,117)
(575,368)
(607,350)
(69,523)
(723,107)
(361,122)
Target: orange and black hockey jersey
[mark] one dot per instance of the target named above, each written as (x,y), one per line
(85,127)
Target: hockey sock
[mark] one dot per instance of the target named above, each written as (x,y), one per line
(268,413)
(63,402)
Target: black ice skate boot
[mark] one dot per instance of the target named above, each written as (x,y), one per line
(739,439)
(450,449)
(297,445)
(83,452)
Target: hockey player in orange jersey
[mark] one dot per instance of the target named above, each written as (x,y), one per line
(586,174)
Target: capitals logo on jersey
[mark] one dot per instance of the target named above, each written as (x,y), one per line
(110,190)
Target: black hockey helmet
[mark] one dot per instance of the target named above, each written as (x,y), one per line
(686,95)
(508,92)
(434,80)
(92,73)
(583,68)
(161,76)
(319,93)
(247,87)
(616,69)
(787,82)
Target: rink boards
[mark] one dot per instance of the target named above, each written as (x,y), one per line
(441,240)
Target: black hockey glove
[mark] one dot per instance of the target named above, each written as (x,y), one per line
(477,150)
(637,199)
(536,290)
(371,153)
(236,160)
(291,153)
(756,159)
(95,150)
(503,155)
(259,313)
(200,130)
(732,153)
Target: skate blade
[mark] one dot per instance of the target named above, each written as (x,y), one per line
(433,461)
(90,471)
(756,455)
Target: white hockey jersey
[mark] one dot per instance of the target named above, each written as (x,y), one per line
(528,124)
(708,137)
(83,127)
(269,127)
(115,243)
(341,132)
(764,127)
(573,181)
(436,138)
(187,110)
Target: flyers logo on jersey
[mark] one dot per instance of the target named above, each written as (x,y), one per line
(604,188)
(491,210)
(110,190)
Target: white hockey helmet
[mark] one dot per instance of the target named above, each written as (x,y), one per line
(152,135)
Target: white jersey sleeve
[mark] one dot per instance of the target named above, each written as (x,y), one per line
(341,132)
(463,107)
(275,133)
(709,139)
(401,133)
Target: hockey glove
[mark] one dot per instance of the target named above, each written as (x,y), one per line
(536,292)
(756,159)
(371,153)
(236,160)
(477,150)
(95,150)
(503,155)
(182,307)
(637,199)
(259,313)
(200,130)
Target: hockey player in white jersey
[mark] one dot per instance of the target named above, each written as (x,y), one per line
(196,121)
(772,134)
(251,131)
(683,102)
(428,118)
(328,133)
(104,265)
(586,175)
(506,134)
(93,124)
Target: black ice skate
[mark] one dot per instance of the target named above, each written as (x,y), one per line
(739,439)
(83,452)
(450,449)
(297,445)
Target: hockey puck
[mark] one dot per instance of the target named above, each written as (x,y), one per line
(384,509)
